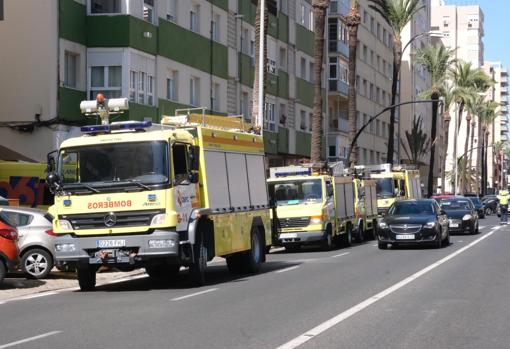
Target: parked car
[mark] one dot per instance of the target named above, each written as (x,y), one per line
(461,213)
(479,206)
(9,252)
(491,204)
(414,221)
(36,239)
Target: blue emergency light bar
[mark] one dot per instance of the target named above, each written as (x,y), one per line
(121,126)
(296,173)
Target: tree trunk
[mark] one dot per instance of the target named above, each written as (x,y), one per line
(470,163)
(478,157)
(353,20)
(256,83)
(319,13)
(446,117)
(465,154)
(433,135)
(397,60)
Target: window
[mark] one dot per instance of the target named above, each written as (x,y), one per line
(70,69)
(302,121)
(311,21)
(215,27)
(245,109)
(141,88)
(215,97)
(332,151)
(271,66)
(377,128)
(365,17)
(365,52)
(378,32)
(171,10)
(148,11)
(171,86)
(377,93)
(245,41)
(150,90)
(106,79)
(270,123)
(180,161)
(372,24)
(371,94)
(17,219)
(371,57)
(104,6)
(333,68)
(302,15)
(194,91)
(193,18)
(132,86)
(303,68)
(310,118)
(283,58)
(283,114)
(365,88)
(312,73)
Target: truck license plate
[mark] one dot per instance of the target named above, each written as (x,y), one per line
(110,243)
(405,237)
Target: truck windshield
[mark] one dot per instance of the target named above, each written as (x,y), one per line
(385,188)
(296,192)
(121,164)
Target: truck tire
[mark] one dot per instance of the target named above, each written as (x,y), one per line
(199,264)
(360,236)
(3,270)
(252,260)
(347,237)
(327,241)
(86,278)
(36,263)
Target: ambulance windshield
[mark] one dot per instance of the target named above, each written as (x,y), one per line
(296,191)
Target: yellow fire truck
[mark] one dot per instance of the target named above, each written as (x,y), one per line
(311,207)
(365,208)
(160,197)
(394,184)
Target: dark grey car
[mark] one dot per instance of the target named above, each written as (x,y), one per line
(36,239)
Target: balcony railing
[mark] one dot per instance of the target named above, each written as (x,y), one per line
(338,86)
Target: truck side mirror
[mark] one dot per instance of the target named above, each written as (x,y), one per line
(50,157)
(193,177)
(194,154)
(53,181)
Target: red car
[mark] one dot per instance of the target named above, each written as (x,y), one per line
(9,252)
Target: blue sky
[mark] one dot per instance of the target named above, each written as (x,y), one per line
(496,26)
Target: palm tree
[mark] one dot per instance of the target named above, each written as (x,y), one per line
(475,108)
(436,60)
(497,149)
(352,20)
(256,83)
(319,15)
(448,99)
(397,13)
(488,115)
(418,142)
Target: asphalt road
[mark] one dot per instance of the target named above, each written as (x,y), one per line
(358,297)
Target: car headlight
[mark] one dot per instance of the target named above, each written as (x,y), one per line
(430,225)
(65,224)
(161,243)
(65,247)
(467,217)
(383,225)
(316,220)
(158,219)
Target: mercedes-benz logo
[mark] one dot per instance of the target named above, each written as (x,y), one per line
(110,219)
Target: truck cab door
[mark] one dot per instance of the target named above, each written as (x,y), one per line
(184,189)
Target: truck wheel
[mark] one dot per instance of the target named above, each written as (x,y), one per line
(327,241)
(36,263)
(382,245)
(360,236)
(86,278)
(3,271)
(374,230)
(347,237)
(253,259)
(197,268)
(234,263)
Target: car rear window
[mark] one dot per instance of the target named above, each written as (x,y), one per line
(5,219)
(18,219)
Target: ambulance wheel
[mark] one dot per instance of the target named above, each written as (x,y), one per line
(347,237)
(360,235)
(86,278)
(327,241)
(373,233)
(199,264)
(252,260)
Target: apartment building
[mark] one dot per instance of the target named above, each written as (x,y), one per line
(161,54)
(462,31)
(373,82)
(498,132)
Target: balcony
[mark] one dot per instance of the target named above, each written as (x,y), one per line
(339,47)
(504,79)
(504,100)
(339,125)
(339,7)
(503,109)
(338,86)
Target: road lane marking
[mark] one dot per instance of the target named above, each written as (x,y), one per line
(31,339)
(482,227)
(375,245)
(38,295)
(286,269)
(314,332)
(192,295)
(340,255)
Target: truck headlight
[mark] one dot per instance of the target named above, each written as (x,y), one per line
(65,224)
(316,220)
(158,219)
(430,225)
(467,217)
(383,225)
(161,243)
(65,247)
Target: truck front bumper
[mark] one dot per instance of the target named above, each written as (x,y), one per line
(124,249)
(300,237)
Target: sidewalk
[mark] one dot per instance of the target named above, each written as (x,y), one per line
(16,285)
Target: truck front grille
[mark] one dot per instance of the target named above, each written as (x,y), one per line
(104,219)
(295,222)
